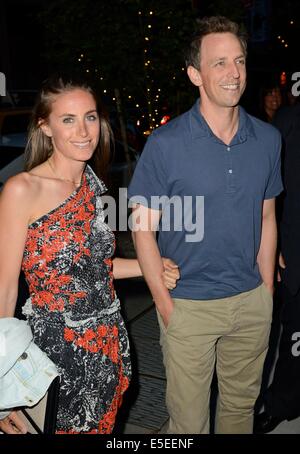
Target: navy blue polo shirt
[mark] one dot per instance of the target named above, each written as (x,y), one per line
(222,189)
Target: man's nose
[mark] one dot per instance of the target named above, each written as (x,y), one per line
(234,70)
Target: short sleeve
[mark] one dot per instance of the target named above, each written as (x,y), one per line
(149,182)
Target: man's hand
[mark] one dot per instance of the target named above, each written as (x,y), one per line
(170,274)
(13,424)
(281,264)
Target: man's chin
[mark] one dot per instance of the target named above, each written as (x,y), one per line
(233,102)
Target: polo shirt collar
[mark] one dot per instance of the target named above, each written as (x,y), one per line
(199,128)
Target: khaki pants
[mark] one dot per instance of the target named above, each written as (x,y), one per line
(232,333)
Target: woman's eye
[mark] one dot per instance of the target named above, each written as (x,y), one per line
(92,117)
(68,120)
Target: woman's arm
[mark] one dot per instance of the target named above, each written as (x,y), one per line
(14,217)
(126,268)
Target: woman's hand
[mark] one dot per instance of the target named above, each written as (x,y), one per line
(13,424)
(171,273)
(281,264)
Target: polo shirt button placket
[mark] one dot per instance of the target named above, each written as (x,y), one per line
(230,176)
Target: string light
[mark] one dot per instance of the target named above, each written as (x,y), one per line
(152,115)
(282,41)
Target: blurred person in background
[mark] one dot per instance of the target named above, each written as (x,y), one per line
(270,101)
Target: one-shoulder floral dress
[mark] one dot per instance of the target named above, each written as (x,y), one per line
(73,310)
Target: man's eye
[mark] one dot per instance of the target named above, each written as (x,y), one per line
(220,63)
(241,61)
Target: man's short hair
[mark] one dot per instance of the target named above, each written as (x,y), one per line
(206,26)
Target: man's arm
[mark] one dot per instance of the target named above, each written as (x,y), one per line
(145,222)
(267,251)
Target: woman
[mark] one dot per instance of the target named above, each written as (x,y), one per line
(52,226)
(270,101)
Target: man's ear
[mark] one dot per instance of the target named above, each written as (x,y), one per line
(45,128)
(194,76)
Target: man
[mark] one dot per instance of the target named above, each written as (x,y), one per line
(282,398)
(220,311)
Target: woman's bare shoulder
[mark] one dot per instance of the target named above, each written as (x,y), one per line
(22,186)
